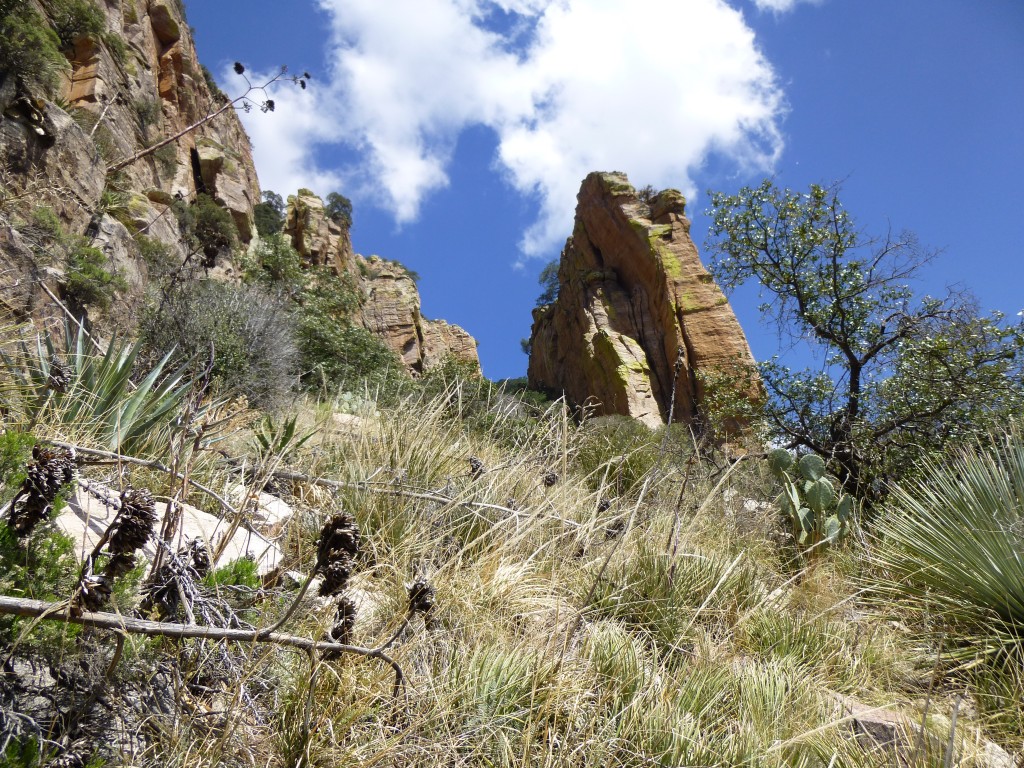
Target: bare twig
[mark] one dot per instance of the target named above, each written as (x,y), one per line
(45,611)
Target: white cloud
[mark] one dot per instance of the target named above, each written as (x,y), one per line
(781,6)
(569,86)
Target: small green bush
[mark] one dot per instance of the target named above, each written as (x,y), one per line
(148,111)
(274,264)
(214,229)
(249,332)
(243,572)
(74,18)
(89,280)
(118,50)
(211,83)
(616,451)
(166,159)
(156,254)
(29,49)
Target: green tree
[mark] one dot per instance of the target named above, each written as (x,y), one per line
(269,215)
(899,376)
(339,209)
(548,280)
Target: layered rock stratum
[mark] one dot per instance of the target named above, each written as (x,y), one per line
(639,326)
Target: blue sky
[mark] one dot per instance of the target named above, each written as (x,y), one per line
(461,129)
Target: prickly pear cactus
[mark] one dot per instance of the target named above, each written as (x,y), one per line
(818,513)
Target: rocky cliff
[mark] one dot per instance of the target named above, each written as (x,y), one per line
(637,317)
(390,300)
(129,78)
(123,77)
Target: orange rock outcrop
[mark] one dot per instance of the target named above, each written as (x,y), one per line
(638,319)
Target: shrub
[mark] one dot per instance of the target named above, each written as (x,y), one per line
(29,49)
(250,334)
(74,18)
(166,159)
(148,111)
(616,450)
(211,83)
(89,281)
(275,264)
(341,352)
(118,50)
(243,572)
(335,350)
(90,278)
(214,229)
(156,254)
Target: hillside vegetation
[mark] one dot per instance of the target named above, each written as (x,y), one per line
(258,526)
(550,590)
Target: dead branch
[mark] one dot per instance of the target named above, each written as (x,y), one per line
(45,611)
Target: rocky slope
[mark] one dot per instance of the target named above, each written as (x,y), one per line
(637,317)
(123,88)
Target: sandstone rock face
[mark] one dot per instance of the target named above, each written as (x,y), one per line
(317,239)
(123,99)
(60,169)
(391,310)
(390,299)
(637,318)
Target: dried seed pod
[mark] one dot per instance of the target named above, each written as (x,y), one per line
(134,524)
(476,467)
(199,556)
(421,596)
(344,623)
(94,592)
(59,377)
(336,575)
(118,566)
(615,529)
(75,756)
(340,535)
(550,478)
(51,469)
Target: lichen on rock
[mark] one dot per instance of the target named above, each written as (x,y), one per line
(633,300)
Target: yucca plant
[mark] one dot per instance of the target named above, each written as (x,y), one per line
(952,548)
(67,382)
